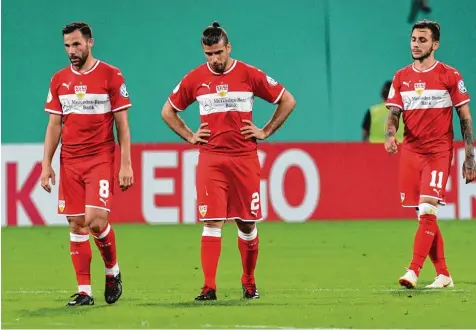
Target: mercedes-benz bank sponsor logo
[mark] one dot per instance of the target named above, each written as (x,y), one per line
(229,103)
(81,105)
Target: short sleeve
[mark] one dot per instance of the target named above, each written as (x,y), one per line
(183,94)
(457,89)
(53,104)
(264,86)
(394,98)
(118,95)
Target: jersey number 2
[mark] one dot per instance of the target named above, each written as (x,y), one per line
(255,201)
(433,182)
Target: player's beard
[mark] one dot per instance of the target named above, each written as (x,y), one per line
(78,61)
(221,68)
(424,56)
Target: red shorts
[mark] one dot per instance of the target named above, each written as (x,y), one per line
(228,187)
(423,175)
(88,183)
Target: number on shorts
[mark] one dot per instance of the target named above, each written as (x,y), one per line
(433,179)
(255,201)
(103,188)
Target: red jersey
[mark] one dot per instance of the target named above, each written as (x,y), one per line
(427,99)
(224,100)
(87,101)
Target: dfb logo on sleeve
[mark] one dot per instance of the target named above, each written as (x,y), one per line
(49,98)
(271,81)
(123,91)
(461,87)
(391,92)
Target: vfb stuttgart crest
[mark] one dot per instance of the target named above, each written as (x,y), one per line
(80,90)
(203,210)
(419,87)
(222,90)
(61,205)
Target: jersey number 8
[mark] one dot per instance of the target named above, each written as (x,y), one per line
(103,188)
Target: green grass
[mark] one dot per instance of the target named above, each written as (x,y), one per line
(314,275)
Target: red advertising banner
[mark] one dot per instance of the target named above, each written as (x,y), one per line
(300,182)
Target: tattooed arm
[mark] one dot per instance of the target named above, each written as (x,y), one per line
(469,165)
(391,129)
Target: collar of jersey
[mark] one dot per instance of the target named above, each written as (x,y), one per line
(89,71)
(429,69)
(227,71)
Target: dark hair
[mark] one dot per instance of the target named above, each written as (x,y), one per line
(213,34)
(386,89)
(81,26)
(427,24)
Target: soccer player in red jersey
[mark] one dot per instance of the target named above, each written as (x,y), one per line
(84,100)
(426,92)
(228,172)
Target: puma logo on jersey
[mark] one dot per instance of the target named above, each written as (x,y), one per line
(437,191)
(406,83)
(206,85)
(103,200)
(66,85)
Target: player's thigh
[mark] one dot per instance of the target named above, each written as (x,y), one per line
(409,178)
(244,200)
(99,181)
(72,191)
(434,176)
(212,188)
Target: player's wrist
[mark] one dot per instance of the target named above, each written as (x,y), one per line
(189,138)
(46,163)
(266,133)
(389,134)
(126,164)
(470,162)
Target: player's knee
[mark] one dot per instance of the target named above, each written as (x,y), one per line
(245,227)
(97,224)
(96,219)
(214,224)
(77,225)
(426,209)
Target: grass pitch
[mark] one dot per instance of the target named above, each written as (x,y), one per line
(309,275)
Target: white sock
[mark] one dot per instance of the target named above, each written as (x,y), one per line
(213,232)
(85,288)
(113,271)
(248,237)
